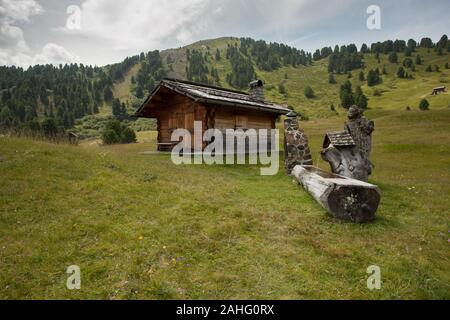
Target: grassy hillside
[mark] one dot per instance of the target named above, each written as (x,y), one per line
(397,93)
(140,227)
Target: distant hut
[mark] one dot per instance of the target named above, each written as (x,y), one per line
(438,90)
(177,104)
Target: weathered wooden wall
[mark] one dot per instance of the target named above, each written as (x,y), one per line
(180,112)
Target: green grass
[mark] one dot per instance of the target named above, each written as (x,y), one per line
(140,227)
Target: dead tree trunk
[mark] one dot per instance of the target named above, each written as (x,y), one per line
(344,198)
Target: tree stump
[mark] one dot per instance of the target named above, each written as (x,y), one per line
(344,198)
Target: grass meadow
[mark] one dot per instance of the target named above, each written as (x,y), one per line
(140,227)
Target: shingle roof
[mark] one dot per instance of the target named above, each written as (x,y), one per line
(215,95)
(339,139)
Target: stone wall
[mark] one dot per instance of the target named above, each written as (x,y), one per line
(296,146)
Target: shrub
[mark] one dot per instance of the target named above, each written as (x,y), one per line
(110,137)
(309,92)
(128,135)
(377,93)
(424,105)
(115,132)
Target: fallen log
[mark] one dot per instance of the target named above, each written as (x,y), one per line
(344,198)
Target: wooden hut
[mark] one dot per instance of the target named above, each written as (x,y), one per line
(438,90)
(177,104)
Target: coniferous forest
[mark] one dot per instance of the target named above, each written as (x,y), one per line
(52,98)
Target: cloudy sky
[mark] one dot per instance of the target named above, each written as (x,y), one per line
(99,32)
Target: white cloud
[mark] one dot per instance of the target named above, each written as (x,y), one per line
(13,47)
(129,26)
(139,25)
(19,10)
(54,54)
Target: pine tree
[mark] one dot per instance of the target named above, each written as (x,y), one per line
(408,63)
(424,105)
(401,73)
(309,92)
(360,99)
(393,57)
(418,59)
(373,78)
(346,95)
(218,55)
(116,108)
(361,76)
(139,92)
(108,94)
(331,79)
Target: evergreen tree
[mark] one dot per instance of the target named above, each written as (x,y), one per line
(139,92)
(361,76)
(108,94)
(331,79)
(360,99)
(429,68)
(217,55)
(364,48)
(426,43)
(49,127)
(309,92)
(408,63)
(418,59)
(6,117)
(393,57)
(373,78)
(424,105)
(116,108)
(401,73)
(346,95)
(412,44)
